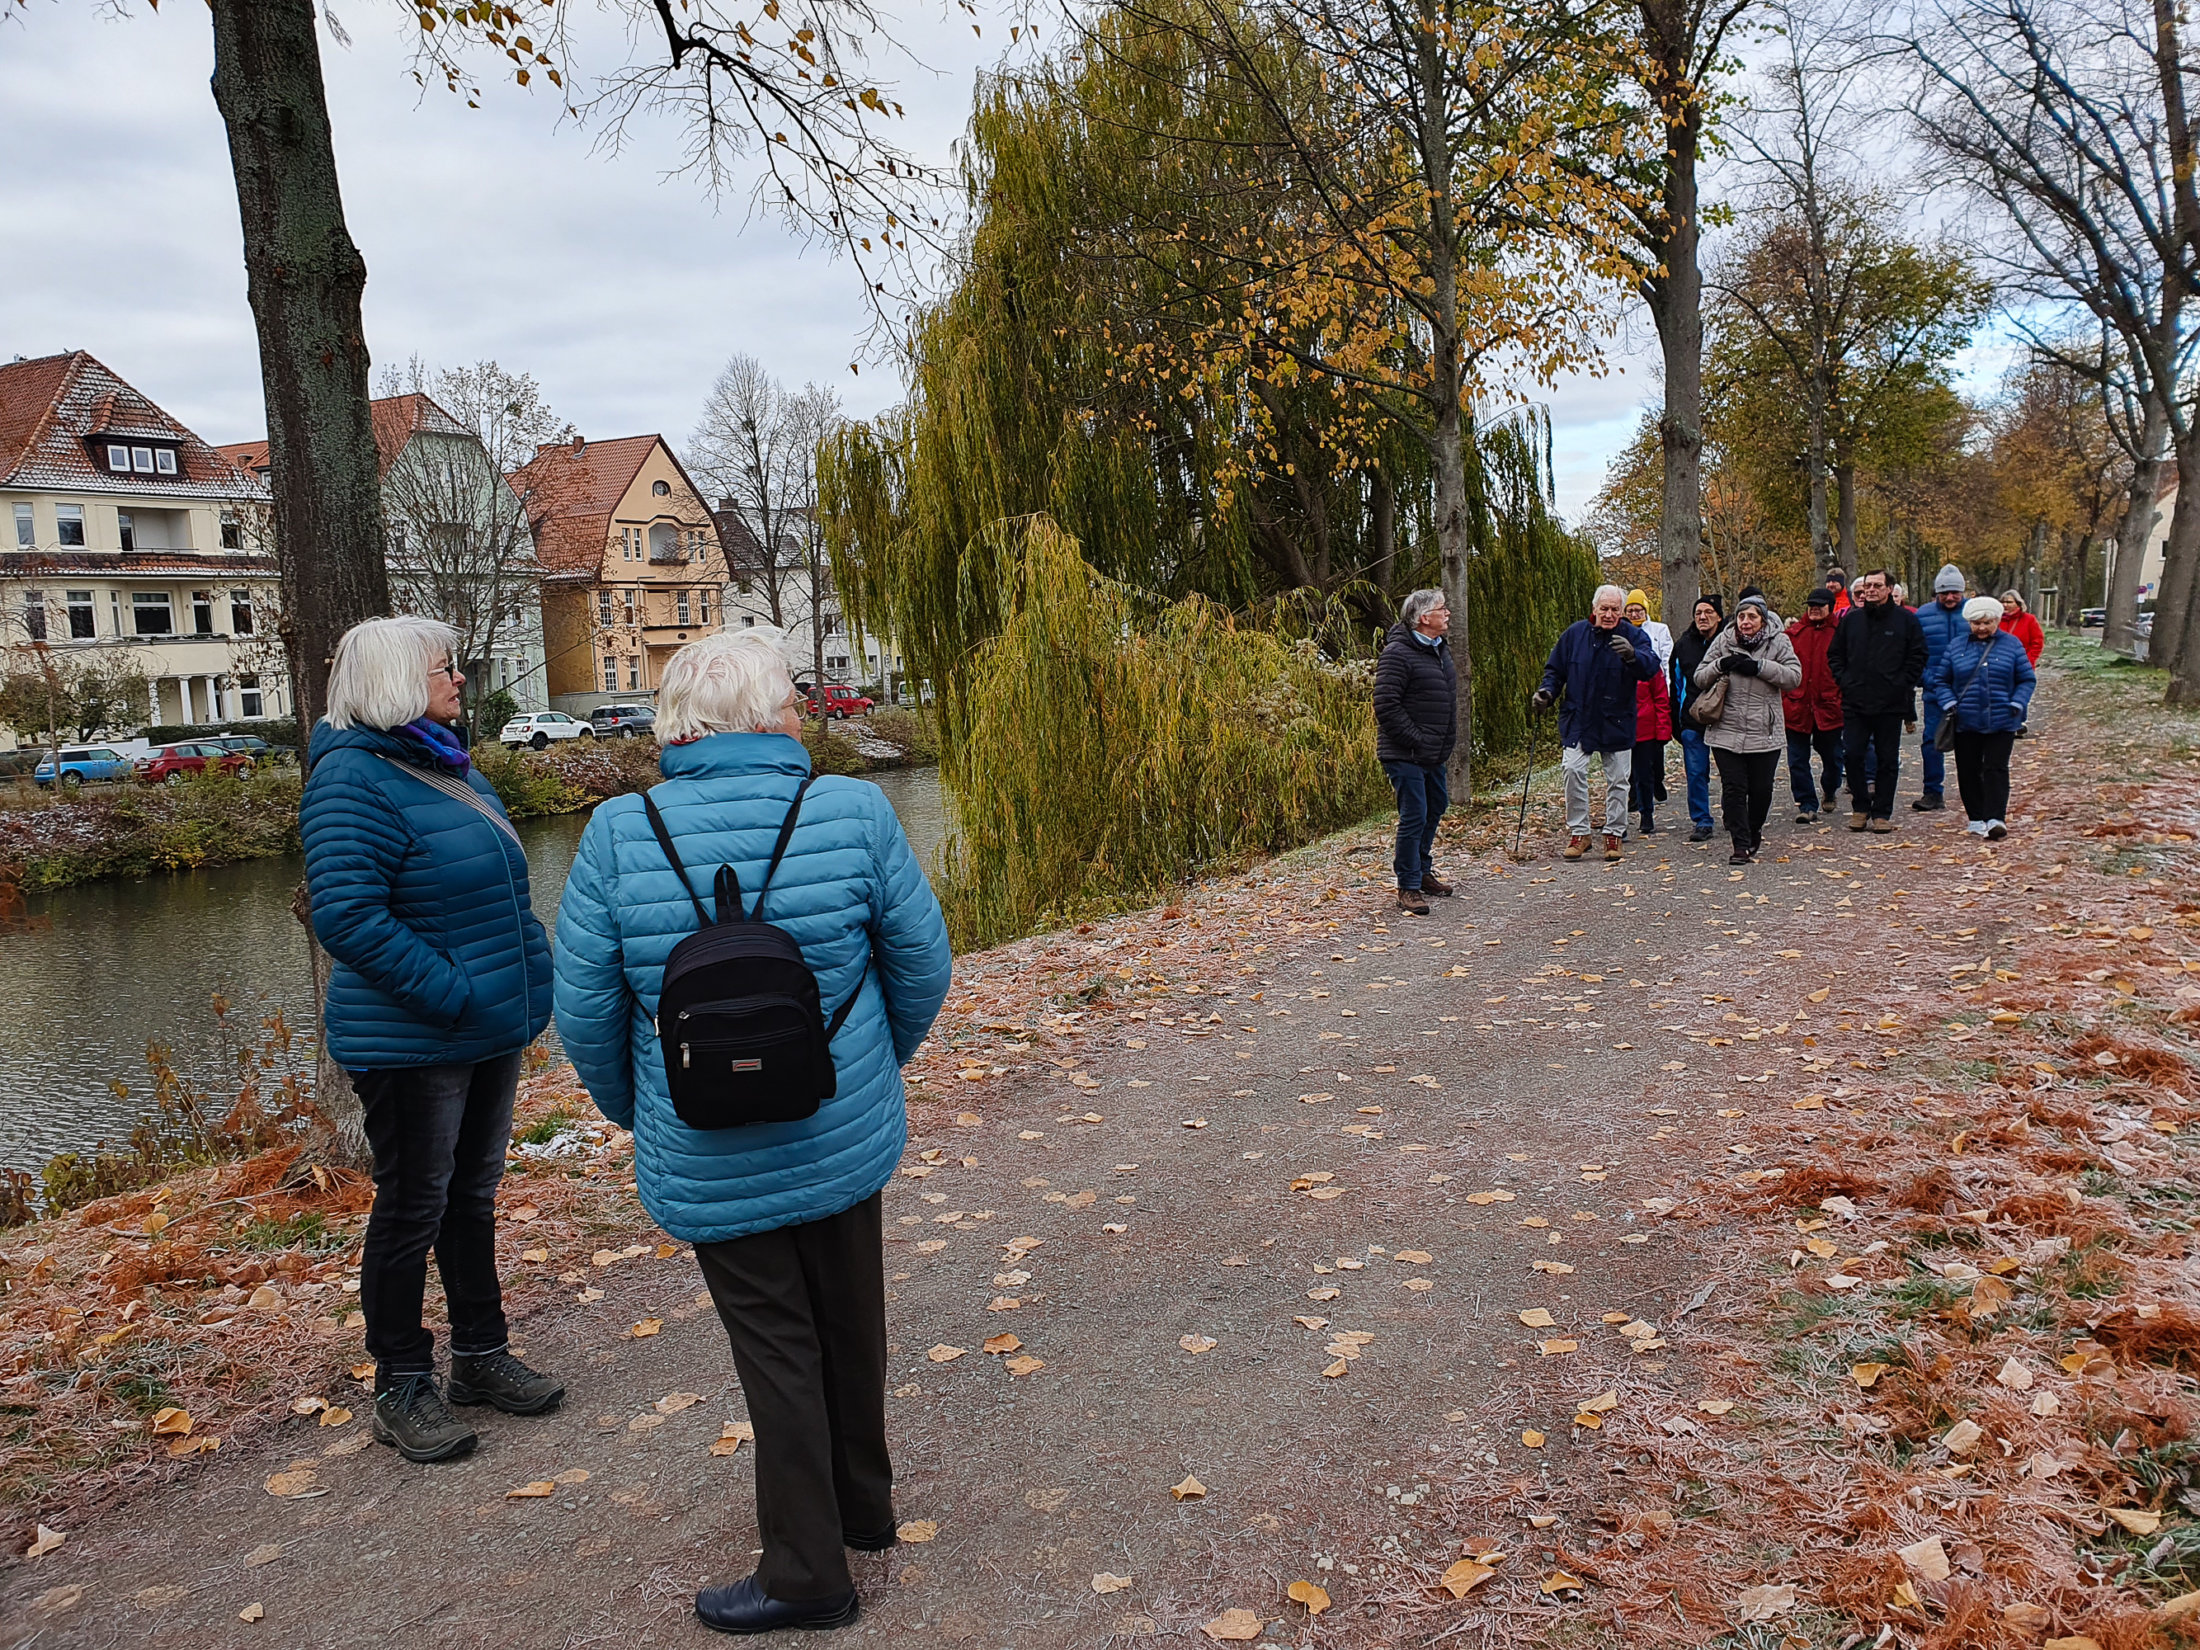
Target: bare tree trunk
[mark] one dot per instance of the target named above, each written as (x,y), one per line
(2122,597)
(304,278)
(1844,549)
(1821,543)
(2173,605)
(1383,514)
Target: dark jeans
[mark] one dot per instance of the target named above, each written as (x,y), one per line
(1696,765)
(439,1135)
(1871,750)
(805,1309)
(1936,762)
(1422,798)
(1646,779)
(1982,773)
(1745,793)
(1827,743)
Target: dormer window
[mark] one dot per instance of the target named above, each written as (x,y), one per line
(118,458)
(164,461)
(126,459)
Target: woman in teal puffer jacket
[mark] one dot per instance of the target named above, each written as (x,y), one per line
(784,1216)
(440,980)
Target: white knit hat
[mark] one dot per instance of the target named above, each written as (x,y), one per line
(1982,607)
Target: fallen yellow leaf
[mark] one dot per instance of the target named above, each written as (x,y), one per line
(918,1531)
(45,1542)
(532,1492)
(1560,1582)
(1196,1344)
(998,1344)
(2132,1519)
(943,1353)
(1463,1577)
(1315,1599)
(253,1612)
(1866,1374)
(1190,1490)
(1532,1439)
(1104,1582)
(334,1416)
(1233,1627)
(1551,1349)
(172,1423)
(1537,1318)
(1024,1366)
(1600,1403)
(646,1328)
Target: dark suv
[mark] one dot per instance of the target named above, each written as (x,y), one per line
(623,721)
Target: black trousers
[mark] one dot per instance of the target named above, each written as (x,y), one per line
(1982,773)
(1745,792)
(439,1135)
(1871,783)
(805,1309)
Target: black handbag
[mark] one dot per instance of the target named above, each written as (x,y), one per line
(739,1020)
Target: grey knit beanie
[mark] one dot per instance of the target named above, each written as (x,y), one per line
(1950,577)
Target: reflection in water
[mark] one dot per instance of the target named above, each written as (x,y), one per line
(122,962)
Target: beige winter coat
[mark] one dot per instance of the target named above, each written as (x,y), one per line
(1754,721)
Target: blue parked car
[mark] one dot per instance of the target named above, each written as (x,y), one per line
(84,762)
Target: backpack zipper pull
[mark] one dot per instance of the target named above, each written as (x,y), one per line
(683,1057)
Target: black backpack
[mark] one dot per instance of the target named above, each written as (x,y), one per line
(744,1036)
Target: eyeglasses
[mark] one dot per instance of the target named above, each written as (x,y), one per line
(444,669)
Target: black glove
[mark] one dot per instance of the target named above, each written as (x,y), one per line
(1541,700)
(1742,664)
(1729,664)
(1622,646)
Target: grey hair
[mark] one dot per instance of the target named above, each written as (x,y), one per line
(380,676)
(733,682)
(2016,596)
(1411,609)
(1612,591)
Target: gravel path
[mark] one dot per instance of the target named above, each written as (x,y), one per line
(1412,1129)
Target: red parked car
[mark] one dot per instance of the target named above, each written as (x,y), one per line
(173,764)
(837,701)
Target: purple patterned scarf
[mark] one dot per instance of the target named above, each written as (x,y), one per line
(442,743)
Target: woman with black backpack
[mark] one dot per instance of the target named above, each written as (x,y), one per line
(746,957)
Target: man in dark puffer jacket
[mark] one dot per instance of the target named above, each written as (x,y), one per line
(1416,725)
(1596,663)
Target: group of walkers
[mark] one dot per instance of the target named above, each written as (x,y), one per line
(745,958)
(1837,689)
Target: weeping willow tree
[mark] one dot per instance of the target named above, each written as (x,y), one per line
(1213,509)
(1115,742)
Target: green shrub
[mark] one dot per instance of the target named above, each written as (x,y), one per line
(492,713)
(914,732)
(529,786)
(831,751)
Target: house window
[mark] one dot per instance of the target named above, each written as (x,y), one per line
(748,621)
(611,675)
(34,615)
(141,460)
(683,607)
(26,536)
(630,609)
(703,596)
(151,614)
(202,612)
(232,531)
(603,608)
(838,661)
(240,612)
(248,697)
(81,627)
(128,529)
(633,673)
(660,489)
(164,462)
(118,457)
(68,525)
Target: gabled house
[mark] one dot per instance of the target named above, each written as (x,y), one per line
(632,565)
(133,546)
(456,541)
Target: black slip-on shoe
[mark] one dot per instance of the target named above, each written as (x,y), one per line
(499,1379)
(411,1415)
(743,1608)
(876,1542)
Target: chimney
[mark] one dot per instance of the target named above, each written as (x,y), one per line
(580,445)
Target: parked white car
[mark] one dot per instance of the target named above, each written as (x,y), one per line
(538,728)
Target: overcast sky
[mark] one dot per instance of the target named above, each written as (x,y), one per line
(492,233)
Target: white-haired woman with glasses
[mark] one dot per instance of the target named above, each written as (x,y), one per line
(768,1154)
(440,979)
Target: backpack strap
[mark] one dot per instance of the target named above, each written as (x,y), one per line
(779,848)
(664,841)
(840,1014)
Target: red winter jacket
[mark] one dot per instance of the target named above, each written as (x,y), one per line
(2027,630)
(1653,709)
(1814,707)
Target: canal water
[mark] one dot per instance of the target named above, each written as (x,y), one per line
(125,962)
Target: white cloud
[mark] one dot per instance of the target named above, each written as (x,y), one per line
(494,232)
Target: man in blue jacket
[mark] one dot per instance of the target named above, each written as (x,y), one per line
(1942,623)
(1416,726)
(1596,664)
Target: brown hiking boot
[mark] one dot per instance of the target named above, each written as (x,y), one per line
(1611,846)
(1858,821)
(1434,889)
(1409,899)
(1576,846)
(1883,826)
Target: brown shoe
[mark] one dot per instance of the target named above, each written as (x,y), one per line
(1576,846)
(1434,889)
(1409,899)
(1858,821)
(1884,827)
(1611,846)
